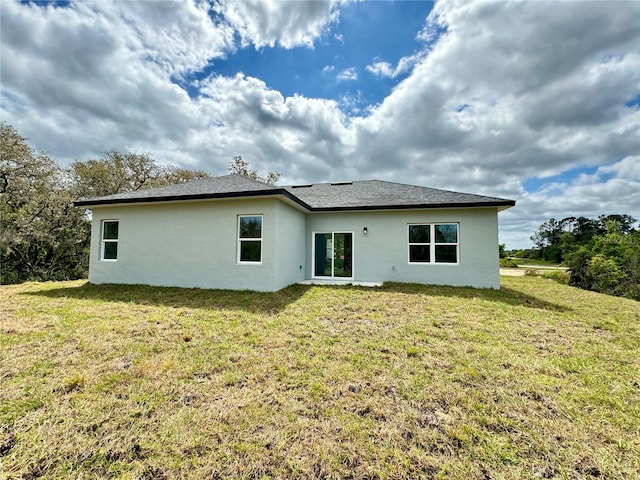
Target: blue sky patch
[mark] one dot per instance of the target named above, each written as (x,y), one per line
(46,3)
(634,102)
(534,184)
(364,34)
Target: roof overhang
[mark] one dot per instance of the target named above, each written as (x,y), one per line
(89,203)
(291,200)
(419,206)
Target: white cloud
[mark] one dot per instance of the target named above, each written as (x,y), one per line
(288,24)
(353,103)
(628,168)
(405,65)
(88,73)
(432,29)
(381,69)
(348,74)
(510,92)
(91,77)
(288,134)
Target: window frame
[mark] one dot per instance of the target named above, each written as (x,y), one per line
(432,244)
(332,233)
(104,241)
(240,239)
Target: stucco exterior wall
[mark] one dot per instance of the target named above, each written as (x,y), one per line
(382,254)
(290,245)
(194,244)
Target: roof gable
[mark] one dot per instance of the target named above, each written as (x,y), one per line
(356,195)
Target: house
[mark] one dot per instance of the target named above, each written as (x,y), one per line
(231,232)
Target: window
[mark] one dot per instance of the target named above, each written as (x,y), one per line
(433,243)
(110,240)
(250,238)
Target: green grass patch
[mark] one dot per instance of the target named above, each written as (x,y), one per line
(537,380)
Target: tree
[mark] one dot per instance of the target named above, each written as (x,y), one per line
(42,236)
(117,172)
(551,239)
(239,166)
(625,223)
(608,263)
(173,175)
(548,238)
(578,263)
(584,229)
(602,254)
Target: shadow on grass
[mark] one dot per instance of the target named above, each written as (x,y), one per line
(504,295)
(273,302)
(176,297)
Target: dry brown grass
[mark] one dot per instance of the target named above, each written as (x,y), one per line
(538,380)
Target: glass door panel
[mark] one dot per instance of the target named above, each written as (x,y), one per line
(323,255)
(342,255)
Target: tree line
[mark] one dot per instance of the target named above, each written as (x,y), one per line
(602,254)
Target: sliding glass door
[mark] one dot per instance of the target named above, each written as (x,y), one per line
(333,254)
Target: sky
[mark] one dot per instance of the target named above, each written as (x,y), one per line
(533,101)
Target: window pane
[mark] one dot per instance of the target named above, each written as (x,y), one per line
(419,253)
(110,250)
(110,230)
(419,234)
(250,251)
(447,233)
(250,227)
(446,254)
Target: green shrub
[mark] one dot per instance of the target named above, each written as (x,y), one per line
(559,276)
(508,263)
(606,274)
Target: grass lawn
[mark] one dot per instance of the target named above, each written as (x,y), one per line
(538,380)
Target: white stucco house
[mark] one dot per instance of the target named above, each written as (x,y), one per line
(231,232)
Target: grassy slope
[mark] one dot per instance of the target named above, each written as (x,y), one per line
(537,380)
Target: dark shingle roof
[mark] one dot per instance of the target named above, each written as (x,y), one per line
(376,195)
(214,187)
(357,195)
